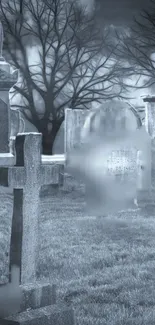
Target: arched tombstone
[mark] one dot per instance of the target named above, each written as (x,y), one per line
(112,115)
(107,160)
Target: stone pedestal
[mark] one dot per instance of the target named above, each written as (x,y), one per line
(49,315)
(39,307)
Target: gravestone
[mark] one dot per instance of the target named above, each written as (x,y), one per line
(150,128)
(7,80)
(14,122)
(75,121)
(134,163)
(26,178)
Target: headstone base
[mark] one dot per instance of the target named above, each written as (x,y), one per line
(39,307)
(145,198)
(50,315)
(146,202)
(37,295)
(7,322)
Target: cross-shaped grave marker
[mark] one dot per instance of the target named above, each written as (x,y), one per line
(26,178)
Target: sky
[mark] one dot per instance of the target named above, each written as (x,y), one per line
(120,11)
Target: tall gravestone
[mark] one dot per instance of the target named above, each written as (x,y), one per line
(150,128)
(142,168)
(7,80)
(75,121)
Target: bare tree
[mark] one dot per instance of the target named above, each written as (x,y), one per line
(137,46)
(64,60)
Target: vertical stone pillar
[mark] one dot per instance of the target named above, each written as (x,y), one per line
(150,128)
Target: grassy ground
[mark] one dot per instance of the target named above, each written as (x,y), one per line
(104,268)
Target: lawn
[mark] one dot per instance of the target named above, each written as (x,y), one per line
(103,267)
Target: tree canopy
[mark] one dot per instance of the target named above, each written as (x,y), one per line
(64,60)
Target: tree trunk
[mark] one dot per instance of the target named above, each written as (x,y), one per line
(48,138)
(47,143)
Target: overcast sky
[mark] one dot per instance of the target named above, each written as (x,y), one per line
(121,11)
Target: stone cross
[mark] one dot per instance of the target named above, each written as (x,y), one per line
(26,178)
(31,171)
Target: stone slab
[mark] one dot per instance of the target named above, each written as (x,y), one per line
(51,315)
(53,159)
(7,159)
(7,322)
(37,295)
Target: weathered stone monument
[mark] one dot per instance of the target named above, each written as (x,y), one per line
(149,194)
(75,121)
(24,171)
(7,80)
(138,172)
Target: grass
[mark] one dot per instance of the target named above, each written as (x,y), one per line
(103,267)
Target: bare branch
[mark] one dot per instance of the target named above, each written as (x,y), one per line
(62,57)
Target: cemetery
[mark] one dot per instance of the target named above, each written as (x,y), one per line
(24,171)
